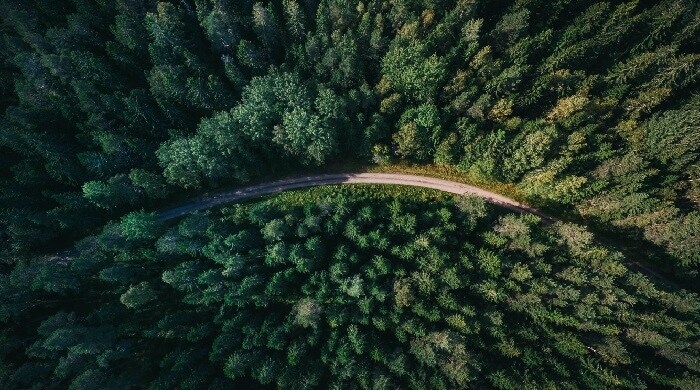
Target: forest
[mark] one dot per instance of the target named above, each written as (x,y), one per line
(112,109)
(349,288)
(590,107)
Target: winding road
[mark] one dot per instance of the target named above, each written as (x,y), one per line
(217,199)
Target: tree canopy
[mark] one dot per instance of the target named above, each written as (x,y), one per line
(108,107)
(112,109)
(363,287)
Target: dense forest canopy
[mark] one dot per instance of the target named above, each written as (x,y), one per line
(346,288)
(587,106)
(589,109)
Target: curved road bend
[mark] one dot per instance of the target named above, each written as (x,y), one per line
(209,201)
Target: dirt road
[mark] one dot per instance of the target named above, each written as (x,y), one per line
(217,199)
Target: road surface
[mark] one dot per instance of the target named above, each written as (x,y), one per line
(209,201)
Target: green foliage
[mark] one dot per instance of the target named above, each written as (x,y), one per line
(150,183)
(100,99)
(419,132)
(140,226)
(138,295)
(277,120)
(301,289)
(410,69)
(109,107)
(116,192)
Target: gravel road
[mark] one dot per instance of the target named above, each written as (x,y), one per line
(220,198)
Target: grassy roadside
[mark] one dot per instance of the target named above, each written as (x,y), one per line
(358,192)
(510,190)
(451,173)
